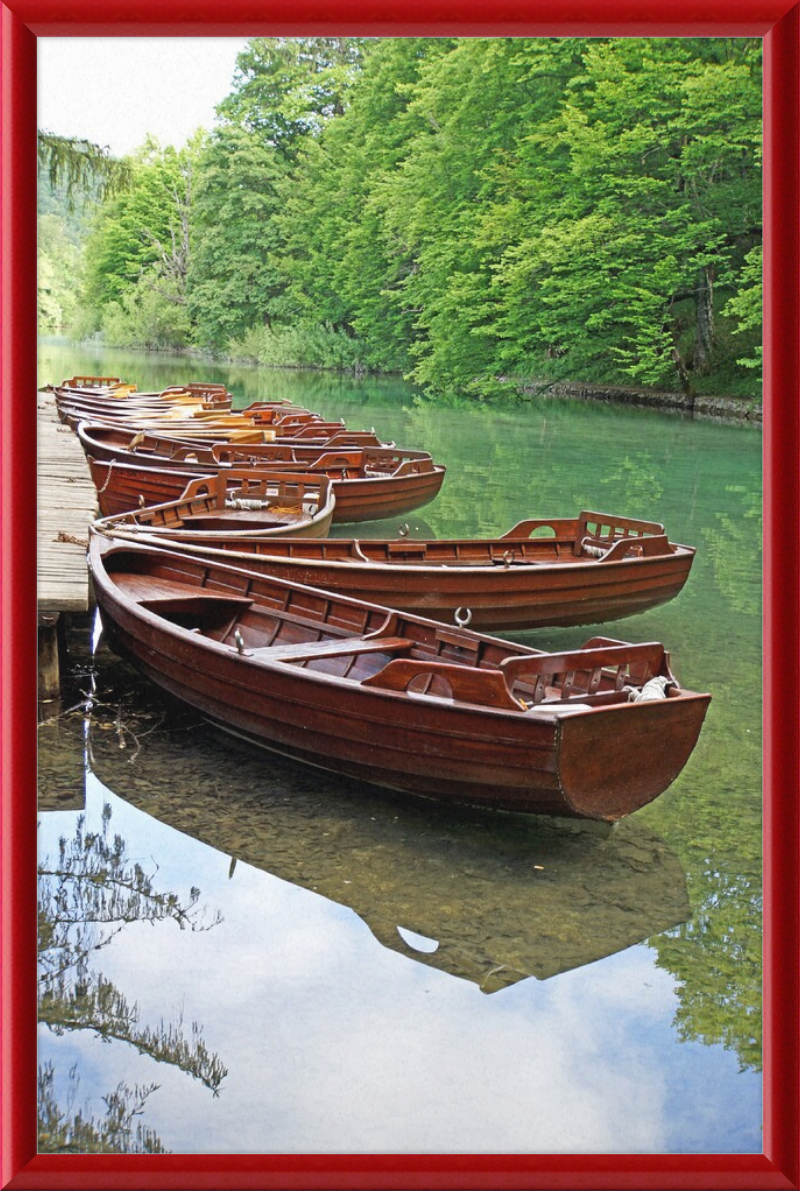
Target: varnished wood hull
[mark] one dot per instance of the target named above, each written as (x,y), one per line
(189,420)
(546,593)
(601,763)
(369,498)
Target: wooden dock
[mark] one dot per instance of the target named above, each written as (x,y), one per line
(67,502)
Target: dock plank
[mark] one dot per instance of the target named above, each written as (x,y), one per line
(66,503)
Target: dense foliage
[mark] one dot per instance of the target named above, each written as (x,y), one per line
(464,210)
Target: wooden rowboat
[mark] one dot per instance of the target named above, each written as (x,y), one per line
(208,443)
(240,505)
(369,483)
(194,427)
(398,701)
(588,570)
(73,414)
(195,403)
(198,449)
(123,399)
(113,387)
(93,384)
(187,416)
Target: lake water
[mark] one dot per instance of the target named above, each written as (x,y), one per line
(303,965)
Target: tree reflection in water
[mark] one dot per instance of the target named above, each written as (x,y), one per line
(87,895)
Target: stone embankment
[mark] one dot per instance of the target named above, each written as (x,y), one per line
(728,409)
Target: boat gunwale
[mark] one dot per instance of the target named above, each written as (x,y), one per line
(242,456)
(574,564)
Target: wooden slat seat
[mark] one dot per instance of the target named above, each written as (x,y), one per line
(310,650)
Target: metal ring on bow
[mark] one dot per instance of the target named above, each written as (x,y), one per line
(462,617)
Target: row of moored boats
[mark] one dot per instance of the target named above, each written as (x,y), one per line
(215,575)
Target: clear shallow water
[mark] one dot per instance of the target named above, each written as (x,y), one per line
(385,975)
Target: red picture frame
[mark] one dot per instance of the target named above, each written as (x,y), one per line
(779,24)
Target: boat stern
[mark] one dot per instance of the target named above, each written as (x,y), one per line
(614,760)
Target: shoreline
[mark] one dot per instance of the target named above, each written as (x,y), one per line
(702,407)
(739,411)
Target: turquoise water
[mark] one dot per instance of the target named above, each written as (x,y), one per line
(386,976)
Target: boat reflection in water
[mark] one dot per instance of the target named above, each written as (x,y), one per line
(490,898)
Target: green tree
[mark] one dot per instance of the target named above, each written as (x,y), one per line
(658,195)
(343,265)
(81,166)
(64,217)
(284,91)
(58,268)
(476,105)
(747,304)
(286,88)
(235,281)
(138,254)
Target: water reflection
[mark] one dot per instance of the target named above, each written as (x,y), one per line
(490,899)
(89,891)
(734,543)
(61,760)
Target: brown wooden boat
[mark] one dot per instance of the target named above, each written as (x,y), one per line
(93,384)
(124,399)
(588,570)
(287,432)
(73,414)
(239,504)
(398,701)
(204,449)
(114,387)
(120,400)
(195,427)
(187,415)
(369,483)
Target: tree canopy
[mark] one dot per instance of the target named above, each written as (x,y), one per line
(473,212)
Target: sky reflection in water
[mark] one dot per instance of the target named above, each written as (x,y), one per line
(337,1044)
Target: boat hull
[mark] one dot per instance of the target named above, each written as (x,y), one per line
(495,598)
(437,747)
(372,498)
(244,509)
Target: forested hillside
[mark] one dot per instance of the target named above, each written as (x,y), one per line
(471,212)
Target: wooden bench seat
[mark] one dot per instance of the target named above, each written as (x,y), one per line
(310,650)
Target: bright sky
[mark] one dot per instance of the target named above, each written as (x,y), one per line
(114,90)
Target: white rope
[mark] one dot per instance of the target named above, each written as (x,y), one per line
(655,688)
(245,503)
